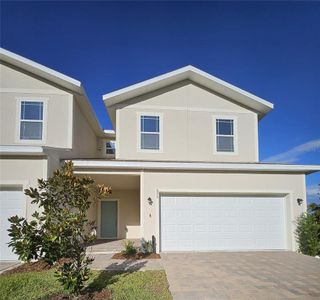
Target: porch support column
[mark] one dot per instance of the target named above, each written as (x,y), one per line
(141,204)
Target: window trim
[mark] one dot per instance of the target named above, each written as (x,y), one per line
(151,114)
(235,134)
(44,121)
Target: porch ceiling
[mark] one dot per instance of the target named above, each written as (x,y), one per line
(118,182)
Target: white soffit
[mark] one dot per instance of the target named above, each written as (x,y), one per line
(196,166)
(247,99)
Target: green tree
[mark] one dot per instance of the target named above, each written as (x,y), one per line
(314,208)
(61,229)
(308,231)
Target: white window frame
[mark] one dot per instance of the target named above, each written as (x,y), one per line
(235,134)
(151,114)
(44,120)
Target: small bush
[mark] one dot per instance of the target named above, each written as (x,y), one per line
(129,248)
(308,234)
(146,246)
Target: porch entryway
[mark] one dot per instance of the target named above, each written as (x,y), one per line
(116,217)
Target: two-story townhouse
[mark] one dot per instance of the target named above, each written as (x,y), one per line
(186,169)
(45,116)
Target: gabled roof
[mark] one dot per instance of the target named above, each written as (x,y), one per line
(261,106)
(58,79)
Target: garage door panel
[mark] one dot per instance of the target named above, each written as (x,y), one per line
(11,203)
(221,223)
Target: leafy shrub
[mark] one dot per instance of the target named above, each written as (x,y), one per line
(129,248)
(308,234)
(314,209)
(146,246)
(73,278)
(61,230)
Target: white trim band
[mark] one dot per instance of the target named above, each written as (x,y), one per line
(196,166)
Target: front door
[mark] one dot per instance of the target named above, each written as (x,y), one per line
(109,219)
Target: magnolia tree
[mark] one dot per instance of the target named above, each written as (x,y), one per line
(61,229)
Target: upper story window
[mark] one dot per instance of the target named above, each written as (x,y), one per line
(31,120)
(110,148)
(149,132)
(225,135)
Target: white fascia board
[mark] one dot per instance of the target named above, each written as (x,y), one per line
(109,131)
(21,150)
(189,72)
(149,165)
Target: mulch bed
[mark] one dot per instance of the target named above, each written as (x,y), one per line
(36,266)
(138,255)
(98,295)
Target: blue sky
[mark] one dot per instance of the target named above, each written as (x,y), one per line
(270,49)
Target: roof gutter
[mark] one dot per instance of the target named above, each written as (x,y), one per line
(194,166)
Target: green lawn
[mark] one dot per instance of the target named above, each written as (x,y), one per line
(39,285)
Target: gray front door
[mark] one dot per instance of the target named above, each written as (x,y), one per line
(109,219)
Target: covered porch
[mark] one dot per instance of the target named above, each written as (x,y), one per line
(116,217)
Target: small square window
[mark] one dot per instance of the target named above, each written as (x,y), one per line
(31,110)
(30,130)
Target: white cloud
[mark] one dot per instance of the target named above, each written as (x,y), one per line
(313,190)
(293,154)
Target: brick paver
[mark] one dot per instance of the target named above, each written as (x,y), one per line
(242,275)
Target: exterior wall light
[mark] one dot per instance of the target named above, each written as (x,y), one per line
(299,201)
(150,201)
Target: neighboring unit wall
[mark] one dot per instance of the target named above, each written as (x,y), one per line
(290,186)
(187,112)
(84,138)
(17,86)
(23,172)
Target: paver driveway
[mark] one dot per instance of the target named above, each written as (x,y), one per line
(242,275)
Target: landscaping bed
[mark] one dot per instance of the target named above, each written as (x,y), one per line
(138,255)
(36,266)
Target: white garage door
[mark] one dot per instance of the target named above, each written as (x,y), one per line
(202,223)
(12,202)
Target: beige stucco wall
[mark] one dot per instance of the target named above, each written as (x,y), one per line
(288,186)
(187,111)
(84,138)
(128,213)
(23,172)
(16,86)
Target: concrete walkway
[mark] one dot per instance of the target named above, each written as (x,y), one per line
(109,246)
(7,265)
(242,275)
(104,262)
